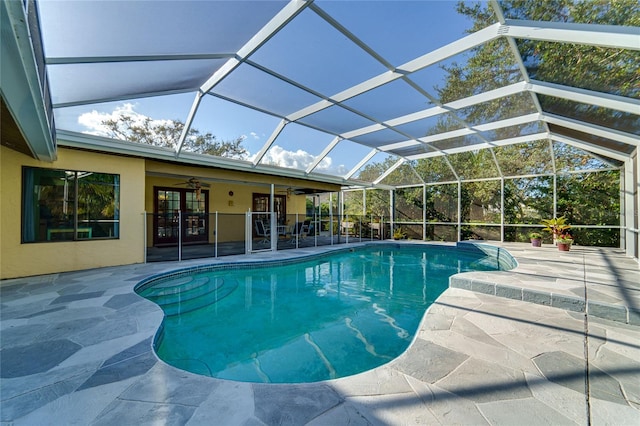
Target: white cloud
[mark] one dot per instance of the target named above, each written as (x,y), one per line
(252,135)
(326,166)
(92,121)
(300,160)
(281,157)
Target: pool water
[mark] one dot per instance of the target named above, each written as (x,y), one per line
(316,319)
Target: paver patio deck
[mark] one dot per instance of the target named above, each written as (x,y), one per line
(497,348)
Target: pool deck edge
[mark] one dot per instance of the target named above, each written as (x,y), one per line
(578,287)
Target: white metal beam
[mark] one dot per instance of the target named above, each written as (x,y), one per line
(290,11)
(363,131)
(591,97)
(122,98)
(417,64)
(616,155)
(430,112)
(279,128)
(516,54)
(220,74)
(293,8)
(614,36)
(389,171)
(476,147)
(323,154)
(189,120)
(68,60)
(460,103)
(508,122)
(463,44)
(523,119)
(403,144)
(604,132)
(630,176)
(362,162)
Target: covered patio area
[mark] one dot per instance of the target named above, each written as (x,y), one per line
(511,347)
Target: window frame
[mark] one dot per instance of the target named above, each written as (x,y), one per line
(74,222)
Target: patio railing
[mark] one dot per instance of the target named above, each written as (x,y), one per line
(190,235)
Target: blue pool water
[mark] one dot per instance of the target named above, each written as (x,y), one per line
(305,321)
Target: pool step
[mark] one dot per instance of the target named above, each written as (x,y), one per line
(189,294)
(165,292)
(167,283)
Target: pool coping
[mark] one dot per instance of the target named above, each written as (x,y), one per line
(497,287)
(503,259)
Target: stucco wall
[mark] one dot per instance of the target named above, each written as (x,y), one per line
(18,260)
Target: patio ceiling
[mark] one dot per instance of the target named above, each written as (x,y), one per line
(351,82)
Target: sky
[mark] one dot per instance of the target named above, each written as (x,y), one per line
(295,52)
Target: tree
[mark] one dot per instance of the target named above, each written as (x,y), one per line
(590,198)
(607,70)
(493,65)
(166,133)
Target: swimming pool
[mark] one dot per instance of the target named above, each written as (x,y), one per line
(308,320)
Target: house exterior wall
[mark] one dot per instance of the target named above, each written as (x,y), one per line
(231,208)
(19,260)
(138,176)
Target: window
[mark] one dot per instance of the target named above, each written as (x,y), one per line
(66,205)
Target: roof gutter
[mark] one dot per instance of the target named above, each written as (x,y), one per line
(116,146)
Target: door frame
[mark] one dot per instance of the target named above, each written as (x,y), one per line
(281,217)
(170,220)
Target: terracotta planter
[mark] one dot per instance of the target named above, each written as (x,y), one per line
(536,242)
(563,247)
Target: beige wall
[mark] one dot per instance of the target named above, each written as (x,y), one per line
(137,179)
(17,259)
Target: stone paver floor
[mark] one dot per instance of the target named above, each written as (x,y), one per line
(76,349)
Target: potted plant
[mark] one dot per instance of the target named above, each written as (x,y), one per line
(398,234)
(564,242)
(557,226)
(536,239)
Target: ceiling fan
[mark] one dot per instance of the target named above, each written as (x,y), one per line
(296,191)
(289,191)
(195,184)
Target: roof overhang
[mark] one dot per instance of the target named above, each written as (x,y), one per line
(132,149)
(22,85)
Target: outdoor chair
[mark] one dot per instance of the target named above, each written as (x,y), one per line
(311,230)
(300,229)
(263,232)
